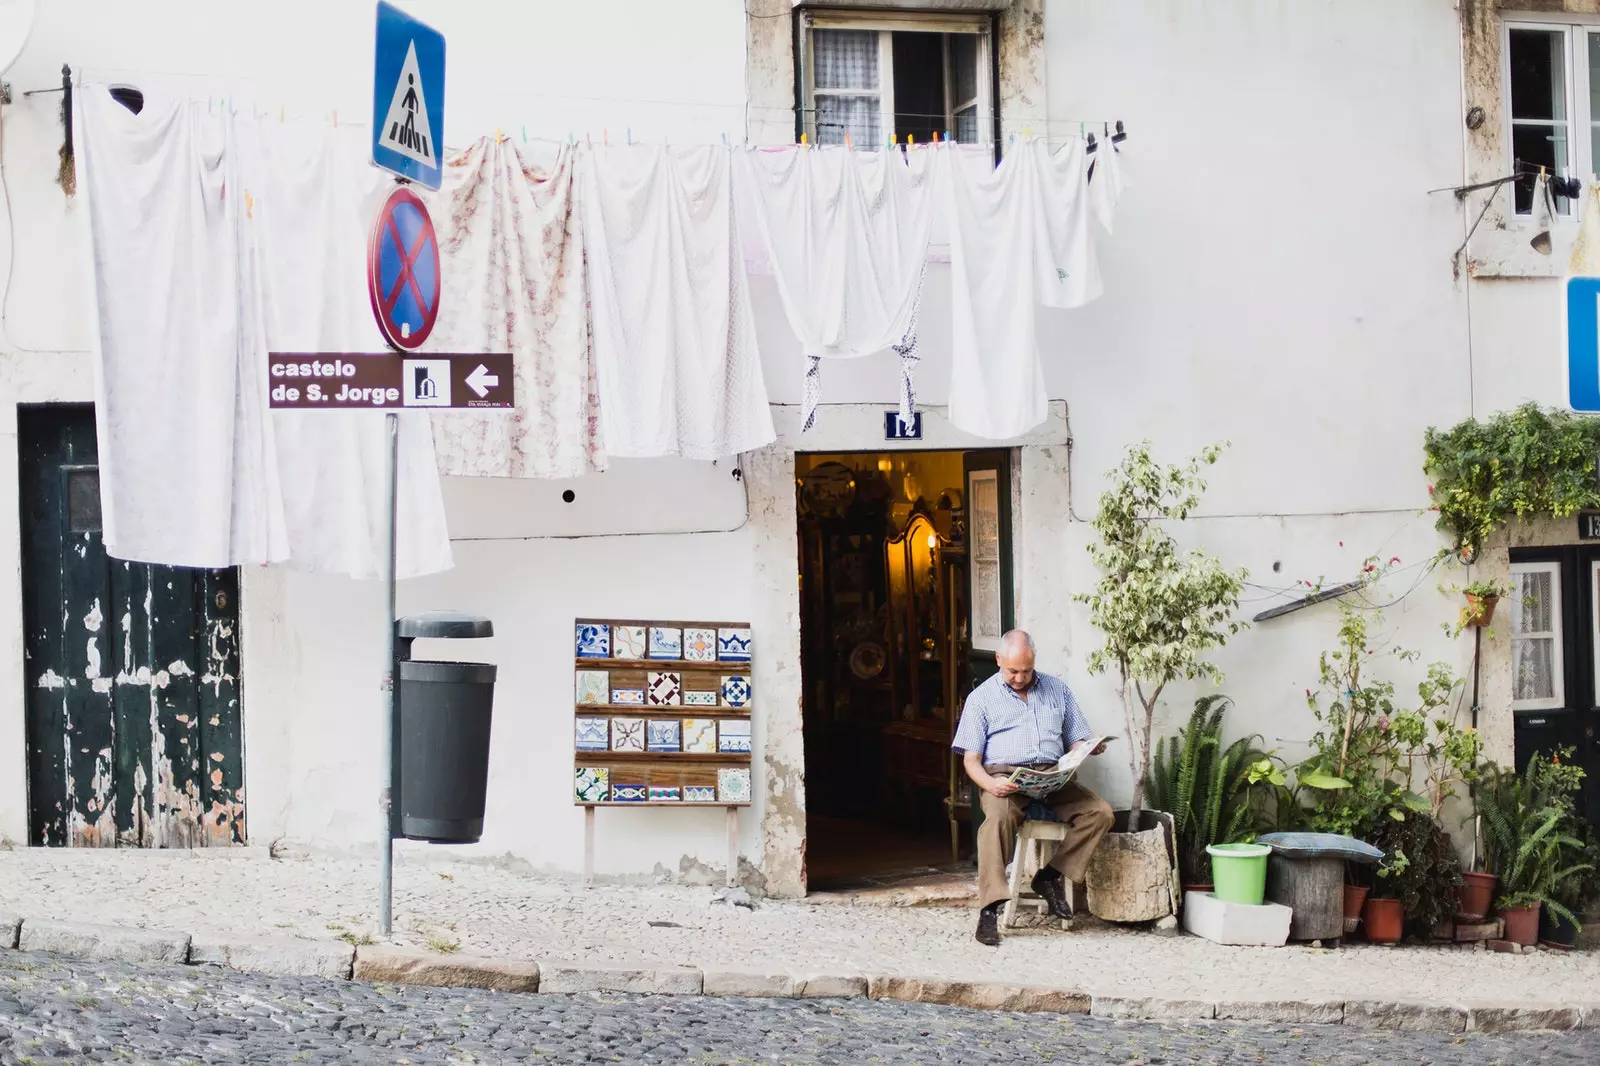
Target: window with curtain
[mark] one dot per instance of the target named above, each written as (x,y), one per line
(1536,665)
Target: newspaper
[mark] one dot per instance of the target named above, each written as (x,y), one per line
(1037,784)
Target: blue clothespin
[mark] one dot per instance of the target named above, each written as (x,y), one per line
(524,135)
(724,140)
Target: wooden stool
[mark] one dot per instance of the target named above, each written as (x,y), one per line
(1029,858)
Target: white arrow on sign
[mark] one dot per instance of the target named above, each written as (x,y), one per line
(482,381)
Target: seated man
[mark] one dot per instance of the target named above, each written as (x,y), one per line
(1022,718)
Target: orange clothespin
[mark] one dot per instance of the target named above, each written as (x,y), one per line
(935,136)
(847,140)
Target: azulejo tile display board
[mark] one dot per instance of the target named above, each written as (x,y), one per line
(661,713)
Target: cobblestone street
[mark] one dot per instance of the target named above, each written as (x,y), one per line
(60,1010)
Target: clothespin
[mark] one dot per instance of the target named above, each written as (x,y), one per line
(336,119)
(893,140)
(280,114)
(935,136)
(208,105)
(947,136)
(847,140)
(571,141)
(911,139)
(605,136)
(524,135)
(802,137)
(1080,129)
(630,134)
(1013,141)
(497,137)
(724,140)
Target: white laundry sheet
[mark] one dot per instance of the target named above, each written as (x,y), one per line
(511,252)
(1020,237)
(214,239)
(846,234)
(673,334)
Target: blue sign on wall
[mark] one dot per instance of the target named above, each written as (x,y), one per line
(1583,343)
(408,98)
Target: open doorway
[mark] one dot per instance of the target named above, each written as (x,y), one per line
(905,584)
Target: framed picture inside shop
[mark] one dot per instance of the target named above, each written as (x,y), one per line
(661,718)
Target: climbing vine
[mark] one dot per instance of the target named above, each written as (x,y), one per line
(1524,463)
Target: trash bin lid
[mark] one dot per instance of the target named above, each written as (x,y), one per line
(443,624)
(1320,845)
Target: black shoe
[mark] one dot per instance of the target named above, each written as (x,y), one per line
(1053,891)
(989,927)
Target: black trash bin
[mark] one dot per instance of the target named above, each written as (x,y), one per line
(442,733)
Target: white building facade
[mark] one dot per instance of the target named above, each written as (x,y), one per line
(1281,277)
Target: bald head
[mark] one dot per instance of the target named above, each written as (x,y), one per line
(1015,659)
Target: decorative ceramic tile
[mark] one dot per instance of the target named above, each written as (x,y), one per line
(664,793)
(627,642)
(594,734)
(733,736)
(629,793)
(664,735)
(700,735)
(627,734)
(733,645)
(699,794)
(594,686)
(591,784)
(699,699)
(666,643)
(594,641)
(627,697)
(666,688)
(733,784)
(736,690)
(700,645)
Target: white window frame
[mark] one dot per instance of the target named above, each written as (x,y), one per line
(1558,696)
(1582,124)
(886,24)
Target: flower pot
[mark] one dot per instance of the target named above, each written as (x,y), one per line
(1133,877)
(1385,920)
(1240,872)
(1480,610)
(1555,931)
(1354,897)
(1522,924)
(1474,896)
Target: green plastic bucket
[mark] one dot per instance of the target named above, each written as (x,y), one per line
(1239,872)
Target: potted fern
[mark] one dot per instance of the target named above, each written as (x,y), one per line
(1527,822)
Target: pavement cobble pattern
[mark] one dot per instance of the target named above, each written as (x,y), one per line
(55,1009)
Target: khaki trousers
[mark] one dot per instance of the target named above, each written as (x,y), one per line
(1086,816)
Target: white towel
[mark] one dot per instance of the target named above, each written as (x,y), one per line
(846,233)
(1019,237)
(674,337)
(511,249)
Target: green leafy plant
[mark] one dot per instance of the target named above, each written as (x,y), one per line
(1159,610)
(1209,789)
(1516,464)
(1528,826)
(1487,589)
(1419,868)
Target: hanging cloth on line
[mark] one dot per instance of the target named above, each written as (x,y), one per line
(511,251)
(673,333)
(1019,237)
(847,235)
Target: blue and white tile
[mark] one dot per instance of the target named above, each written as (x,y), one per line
(700,735)
(665,688)
(666,642)
(627,734)
(594,734)
(591,784)
(733,736)
(627,697)
(594,687)
(594,641)
(733,645)
(733,784)
(629,793)
(664,794)
(692,698)
(700,645)
(736,690)
(664,735)
(627,642)
(699,794)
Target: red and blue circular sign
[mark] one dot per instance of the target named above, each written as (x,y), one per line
(403,270)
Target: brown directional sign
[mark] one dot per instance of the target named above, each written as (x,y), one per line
(355,381)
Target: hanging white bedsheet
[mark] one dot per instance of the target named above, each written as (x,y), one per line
(846,233)
(1019,237)
(213,238)
(673,334)
(511,251)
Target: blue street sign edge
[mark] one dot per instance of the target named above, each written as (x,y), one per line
(383,77)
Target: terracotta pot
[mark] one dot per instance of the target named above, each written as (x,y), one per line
(1480,610)
(1522,924)
(1474,896)
(1385,920)
(1354,897)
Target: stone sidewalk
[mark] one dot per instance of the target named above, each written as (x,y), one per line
(458,908)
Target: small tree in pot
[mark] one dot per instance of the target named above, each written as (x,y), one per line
(1160,609)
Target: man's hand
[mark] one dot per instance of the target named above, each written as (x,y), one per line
(999,787)
(1099,748)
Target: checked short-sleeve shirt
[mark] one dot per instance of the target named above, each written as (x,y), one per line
(1008,729)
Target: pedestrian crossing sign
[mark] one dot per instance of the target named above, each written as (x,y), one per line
(408,98)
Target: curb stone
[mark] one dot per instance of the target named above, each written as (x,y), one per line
(1152,1008)
(980,995)
(755,985)
(1503,1019)
(10,931)
(111,943)
(1395,1014)
(568,976)
(275,955)
(832,986)
(383,963)
(1282,1011)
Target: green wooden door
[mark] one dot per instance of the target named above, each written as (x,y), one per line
(132,670)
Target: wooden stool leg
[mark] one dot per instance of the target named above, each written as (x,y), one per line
(1017,854)
(588,845)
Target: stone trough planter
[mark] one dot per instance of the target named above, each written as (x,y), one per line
(1133,877)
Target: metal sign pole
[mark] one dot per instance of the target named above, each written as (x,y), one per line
(386,761)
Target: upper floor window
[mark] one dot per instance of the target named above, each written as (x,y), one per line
(873,76)
(1552,79)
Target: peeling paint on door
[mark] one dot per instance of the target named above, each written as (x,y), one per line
(119,724)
